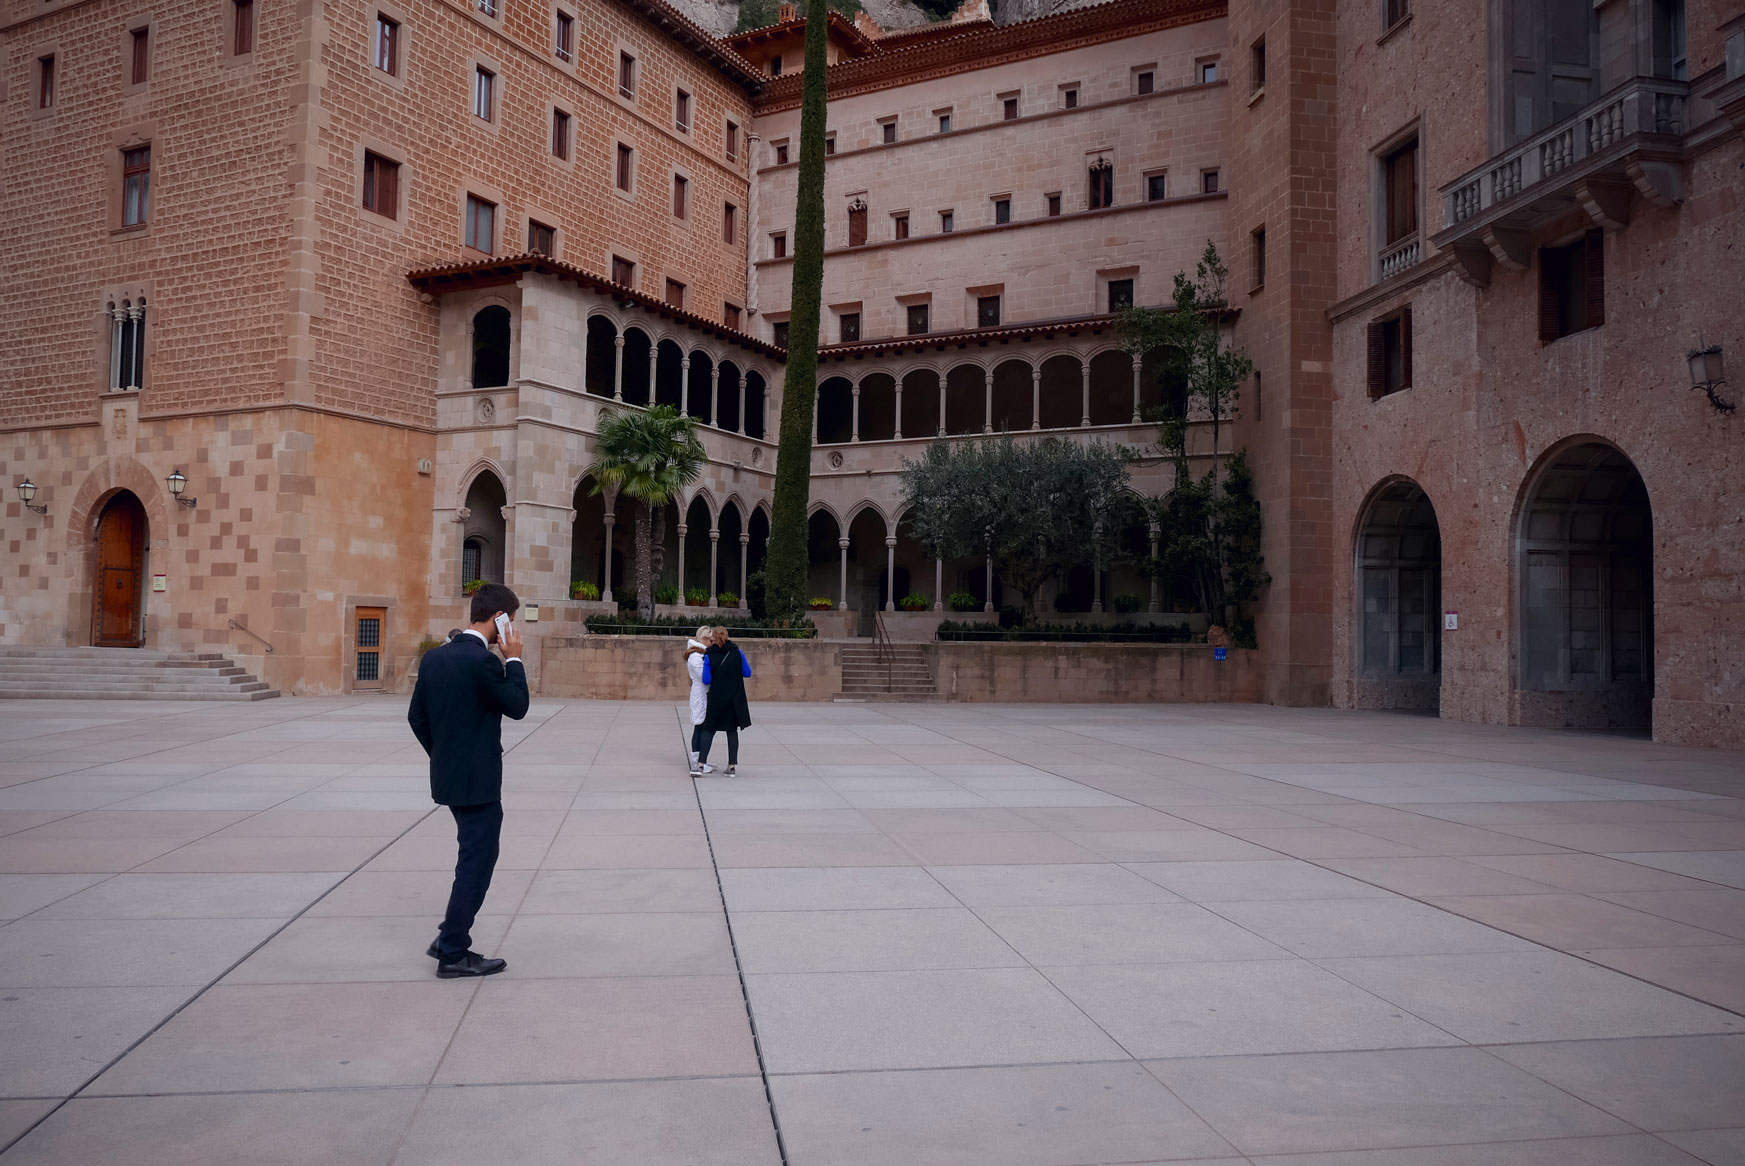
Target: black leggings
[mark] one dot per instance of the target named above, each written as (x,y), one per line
(708,736)
(697,739)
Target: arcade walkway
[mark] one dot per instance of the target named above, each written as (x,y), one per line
(968,935)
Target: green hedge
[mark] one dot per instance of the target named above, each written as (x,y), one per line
(1122,632)
(602,624)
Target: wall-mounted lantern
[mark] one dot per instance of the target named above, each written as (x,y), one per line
(1708,372)
(27,495)
(178,481)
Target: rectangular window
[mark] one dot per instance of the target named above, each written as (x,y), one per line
(1102,182)
(1069,98)
(1259,240)
(889,132)
(987,311)
(849,327)
(781,153)
(126,345)
(1257,66)
(899,226)
(1002,210)
(387,45)
(560,135)
(829,145)
(1156,188)
(623,272)
(1572,287)
(45,82)
(1208,72)
(1399,173)
(857,224)
(1208,182)
(1120,294)
(135,186)
(541,239)
(481,223)
(563,38)
(1144,82)
(778,245)
(1390,353)
(626,165)
(947,222)
(918,322)
(775,66)
(1053,205)
(1009,109)
(729,223)
(141,56)
(484,93)
(242,27)
(732,141)
(779,333)
(1670,55)
(945,123)
(682,112)
(488,7)
(381,185)
(730,316)
(1393,11)
(626,75)
(675,293)
(681,187)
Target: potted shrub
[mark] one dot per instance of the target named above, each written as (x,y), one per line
(471,587)
(584,590)
(819,603)
(726,599)
(626,599)
(1127,604)
(696,597)
(915,602)
(666,593)
(962,601)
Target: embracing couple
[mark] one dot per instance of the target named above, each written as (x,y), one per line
(718,672)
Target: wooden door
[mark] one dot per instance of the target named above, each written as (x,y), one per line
(120,573)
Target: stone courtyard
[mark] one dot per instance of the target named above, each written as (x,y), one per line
(913,935)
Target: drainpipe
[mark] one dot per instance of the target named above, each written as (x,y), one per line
(751,230)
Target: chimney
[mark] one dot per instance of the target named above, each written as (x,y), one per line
(972,10)
(867,26)
(786,12)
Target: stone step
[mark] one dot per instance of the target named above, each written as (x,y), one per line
(188,675)
(75,673)
(14,684)
(884,697)
(40,693)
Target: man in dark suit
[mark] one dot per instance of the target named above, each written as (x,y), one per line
(463,693)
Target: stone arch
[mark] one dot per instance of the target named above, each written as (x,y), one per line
(1583,560)
(483,465)
(878,405)
(756,409)
(589,540)
(1111,387)
(638,365)
(965,397)
(484,531)
(1013,395)
(834,420)
(599,376)
(697,386)
(921,388)
(728,408)
(669,375)
(492,339)
(1396,631)
(1062,384)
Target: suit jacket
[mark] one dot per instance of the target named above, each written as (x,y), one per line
(463,693)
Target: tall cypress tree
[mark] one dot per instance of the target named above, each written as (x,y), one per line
(785,569)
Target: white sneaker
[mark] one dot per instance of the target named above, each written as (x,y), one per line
(706,768)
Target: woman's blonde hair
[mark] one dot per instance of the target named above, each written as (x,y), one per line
(704,632)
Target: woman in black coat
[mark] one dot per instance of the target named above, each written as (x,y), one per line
(725,671)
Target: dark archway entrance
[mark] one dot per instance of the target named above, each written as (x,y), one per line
(121,539)
(1397,638)
(1585,560)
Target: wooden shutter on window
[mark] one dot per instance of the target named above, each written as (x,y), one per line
(1548,293)
(1595,245)
(1406,347)
(1377,360)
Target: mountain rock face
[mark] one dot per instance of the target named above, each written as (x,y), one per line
(1014,11)
(721,17)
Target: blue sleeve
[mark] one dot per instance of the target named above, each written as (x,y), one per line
(745,663)
(708,677)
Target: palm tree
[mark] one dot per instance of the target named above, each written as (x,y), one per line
(648,456)
(785,567)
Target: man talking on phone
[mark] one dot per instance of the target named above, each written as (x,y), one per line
(458,705)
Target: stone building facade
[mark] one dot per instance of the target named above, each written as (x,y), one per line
(368,273)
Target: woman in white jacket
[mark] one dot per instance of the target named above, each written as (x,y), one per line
(694,656)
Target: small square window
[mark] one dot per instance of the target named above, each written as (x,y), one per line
(732,142)
(45,82)
(1053,205)
(541,239)
(781,153)
(1394,11)
(488,7)
(947,222)
(1572,287)
(775,66)
(1002,210)
(141,63)
(623,271)
(1009,109)
(626,166)
(945,123)
(481,225)
(1208,72)
(560,135)
(241,27)
(778,245)
(1156,188)
(484,93)
(899,226)
(918,319)
(135,186)
(682,112)
(889,131)
(1144,82)
(1120,294)
(1208,182)
(563,39)
(381,185)
(626,75)
(730,316)
(729,223)
(987,311)
(675,293)
(850,327)
(779,333)
(681,189)
(829,144)
(1390,353)
(1069,98)
(387,45)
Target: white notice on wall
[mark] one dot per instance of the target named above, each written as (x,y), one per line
(1451,621)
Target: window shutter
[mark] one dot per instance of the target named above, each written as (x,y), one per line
(1548,295)
(1406,347)
(1595,244)
(1377,360)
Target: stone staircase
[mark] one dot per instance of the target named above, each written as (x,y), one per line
(123,674)
(866,677)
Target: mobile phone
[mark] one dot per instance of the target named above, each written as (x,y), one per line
(503,626)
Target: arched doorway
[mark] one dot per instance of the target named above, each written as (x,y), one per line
(1584,555)
(121,538)
(1397,637)
(491,347)
(485,532)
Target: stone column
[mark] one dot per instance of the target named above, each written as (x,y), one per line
(988,401)
(714,561)
(1085,374)
(890,572)
(618,367)
(817,395)
(1156,584)
(1136,367)
(842,604)
(897,434)
(854,425)
(606,583)
(653,368)
(682,529)
(1036,397)
(685,399)
(714,395)
(1097,572)
(744,564)
(740,413)
(942,406)
(938,584)
(988,603)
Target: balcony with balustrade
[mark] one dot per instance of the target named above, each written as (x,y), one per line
(1630,141)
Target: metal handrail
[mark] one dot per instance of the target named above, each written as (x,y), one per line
(886,649)
(242,627)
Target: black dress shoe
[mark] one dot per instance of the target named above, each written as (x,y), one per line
(470,964)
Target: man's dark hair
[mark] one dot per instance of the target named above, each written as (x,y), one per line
(492,598)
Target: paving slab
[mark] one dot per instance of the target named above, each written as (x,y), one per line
(1660,1083)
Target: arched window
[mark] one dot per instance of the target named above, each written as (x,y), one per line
(491,347)
(126,344)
